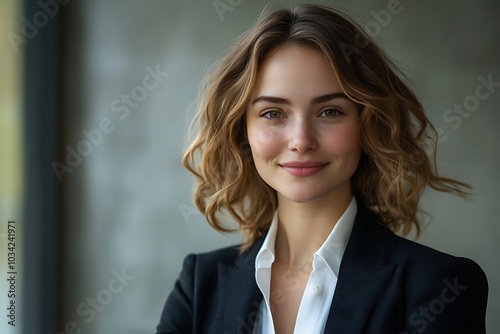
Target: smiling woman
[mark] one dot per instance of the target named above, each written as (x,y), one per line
(319,155)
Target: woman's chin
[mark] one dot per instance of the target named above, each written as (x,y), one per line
(300,197)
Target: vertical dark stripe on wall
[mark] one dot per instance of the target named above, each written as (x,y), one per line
(41,297)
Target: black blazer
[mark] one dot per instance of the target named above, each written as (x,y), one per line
(386,285)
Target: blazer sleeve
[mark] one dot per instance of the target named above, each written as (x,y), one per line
(453,300)
(177,315)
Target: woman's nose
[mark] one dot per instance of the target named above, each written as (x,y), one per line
(302,137)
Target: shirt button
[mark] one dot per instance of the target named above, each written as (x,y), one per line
(316,289)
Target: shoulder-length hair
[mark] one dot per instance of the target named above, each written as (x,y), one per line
(394,168)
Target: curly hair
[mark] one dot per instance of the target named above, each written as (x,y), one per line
(394,169)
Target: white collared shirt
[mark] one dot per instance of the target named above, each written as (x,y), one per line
(318,293)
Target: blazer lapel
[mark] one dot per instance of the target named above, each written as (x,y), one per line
(365,268)
(240,297)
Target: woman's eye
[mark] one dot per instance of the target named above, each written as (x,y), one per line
(273,114)
(331,112)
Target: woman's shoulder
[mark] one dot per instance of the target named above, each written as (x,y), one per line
(423,261)
(225,254)
(231,255)
(442,292)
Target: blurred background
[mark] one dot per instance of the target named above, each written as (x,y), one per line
(95,101)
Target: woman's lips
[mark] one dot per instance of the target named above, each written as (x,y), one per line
(303,168)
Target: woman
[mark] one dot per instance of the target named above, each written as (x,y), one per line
(310,139)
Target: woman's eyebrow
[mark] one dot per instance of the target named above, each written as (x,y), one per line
(328,97)
(316,100)
(272,99)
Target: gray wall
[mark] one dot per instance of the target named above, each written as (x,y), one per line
(129,200)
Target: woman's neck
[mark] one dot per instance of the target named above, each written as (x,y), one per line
(304,227)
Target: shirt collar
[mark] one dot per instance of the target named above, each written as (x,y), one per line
(265,256)
(330,252)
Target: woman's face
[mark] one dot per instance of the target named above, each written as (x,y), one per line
(303,131)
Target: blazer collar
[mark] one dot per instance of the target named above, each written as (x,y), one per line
(365,268)
(240,296)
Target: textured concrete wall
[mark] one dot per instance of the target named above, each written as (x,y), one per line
(129,199)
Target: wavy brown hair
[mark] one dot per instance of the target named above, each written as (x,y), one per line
(394,168)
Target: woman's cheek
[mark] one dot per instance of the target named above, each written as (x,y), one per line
(264,142)
(343,140)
